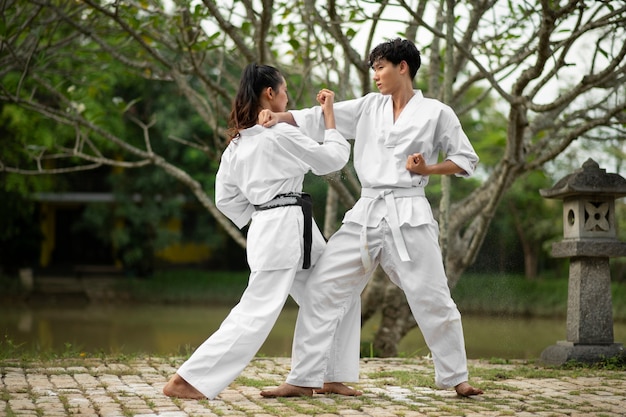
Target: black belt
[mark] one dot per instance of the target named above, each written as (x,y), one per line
(306,203)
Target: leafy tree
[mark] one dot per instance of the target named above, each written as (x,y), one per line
(556,68)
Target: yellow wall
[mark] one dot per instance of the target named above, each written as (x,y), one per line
(183,252)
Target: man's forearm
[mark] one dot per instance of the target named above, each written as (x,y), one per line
(417,165)
(446,167)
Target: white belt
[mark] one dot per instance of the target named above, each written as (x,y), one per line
(390,195)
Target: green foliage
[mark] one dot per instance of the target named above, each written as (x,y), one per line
(103,93)
(135,225)
(485,126)
(80,75)
(520,235)
(25,136)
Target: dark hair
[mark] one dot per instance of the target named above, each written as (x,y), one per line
(396,51)
(246,107)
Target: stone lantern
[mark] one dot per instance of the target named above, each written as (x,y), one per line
(590,239)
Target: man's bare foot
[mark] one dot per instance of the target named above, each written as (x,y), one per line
(179,388)
(288,390)
(338,388)
(466,390)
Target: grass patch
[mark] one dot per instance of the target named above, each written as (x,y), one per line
(256,383)
(405,378)
(186,285)
(501,294)
(19,354)
(15,355)
(616,363)
(521,371)
(510,294)
(494,294)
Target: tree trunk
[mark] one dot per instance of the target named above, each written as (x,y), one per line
(373,295)
(330,212)
(530,249)
(531,261)
(397,320)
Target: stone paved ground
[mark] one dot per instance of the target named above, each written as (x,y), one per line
(392,387)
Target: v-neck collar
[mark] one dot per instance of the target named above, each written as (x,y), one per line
(417,97)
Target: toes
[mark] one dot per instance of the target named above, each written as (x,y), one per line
(464,389)
(338,388)
(287,390)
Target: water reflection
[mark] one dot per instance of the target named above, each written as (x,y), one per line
(166,330)
(126,329)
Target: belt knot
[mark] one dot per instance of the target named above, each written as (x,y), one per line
(389,195)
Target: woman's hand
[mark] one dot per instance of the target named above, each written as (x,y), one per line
(267,118)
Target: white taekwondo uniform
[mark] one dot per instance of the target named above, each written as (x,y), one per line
(391,224)
(256,167)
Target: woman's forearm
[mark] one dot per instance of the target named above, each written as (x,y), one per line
(286,117)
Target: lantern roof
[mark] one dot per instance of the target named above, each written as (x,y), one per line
(590,179)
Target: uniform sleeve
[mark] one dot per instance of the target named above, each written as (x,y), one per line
(456,144)
(322,158)
(347,113)
(228,198)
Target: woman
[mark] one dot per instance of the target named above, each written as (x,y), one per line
(260,179)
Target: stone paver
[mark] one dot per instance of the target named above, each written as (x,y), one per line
(118,388)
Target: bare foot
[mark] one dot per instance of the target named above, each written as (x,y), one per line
(464,389)
(179,388)
(338,388)
(288,390)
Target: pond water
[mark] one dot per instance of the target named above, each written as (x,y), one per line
(166,330)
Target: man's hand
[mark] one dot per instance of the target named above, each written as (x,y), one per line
(326,98)
(417,164)
(267,118)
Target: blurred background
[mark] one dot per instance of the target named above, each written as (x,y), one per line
(112,124)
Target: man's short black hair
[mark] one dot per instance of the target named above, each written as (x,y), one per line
(396,51)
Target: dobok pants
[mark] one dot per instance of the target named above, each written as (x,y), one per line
(338,280)
(224,355)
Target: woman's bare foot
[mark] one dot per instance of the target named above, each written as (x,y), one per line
(466,390)
(179,388)
(288,390)
(338,388)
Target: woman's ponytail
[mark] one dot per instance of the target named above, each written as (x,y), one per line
(246,106)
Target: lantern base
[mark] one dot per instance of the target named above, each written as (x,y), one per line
(565,351)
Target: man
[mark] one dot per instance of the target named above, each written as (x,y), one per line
(398,135)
